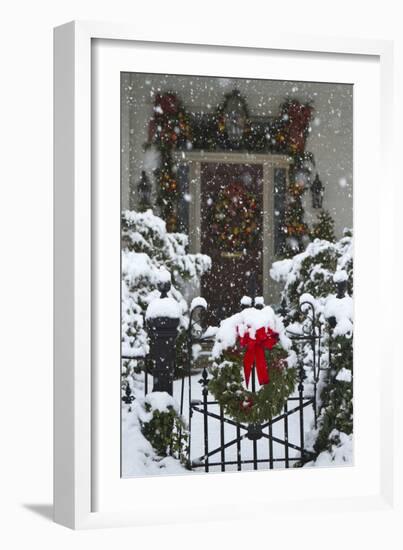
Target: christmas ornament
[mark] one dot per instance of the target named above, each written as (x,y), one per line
(231,373)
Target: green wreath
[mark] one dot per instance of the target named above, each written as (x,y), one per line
(227,387)
(234,218)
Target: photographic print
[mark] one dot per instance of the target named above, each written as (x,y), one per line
(236,274)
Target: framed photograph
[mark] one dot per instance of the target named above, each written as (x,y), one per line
(214,322)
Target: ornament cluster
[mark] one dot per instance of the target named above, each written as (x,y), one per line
(233,218)
(229,128)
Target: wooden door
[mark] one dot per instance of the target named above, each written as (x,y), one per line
(231,233)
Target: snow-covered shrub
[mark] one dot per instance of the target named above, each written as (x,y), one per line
(312,273)
(148,253)
(162,425)
(151,255)
(312,276)
(139,456)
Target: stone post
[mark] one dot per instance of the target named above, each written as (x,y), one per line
(162,316)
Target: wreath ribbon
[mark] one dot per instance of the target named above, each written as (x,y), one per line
(255,353)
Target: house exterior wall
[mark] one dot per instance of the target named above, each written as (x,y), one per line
(330,138)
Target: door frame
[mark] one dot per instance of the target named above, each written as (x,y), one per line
(194,160)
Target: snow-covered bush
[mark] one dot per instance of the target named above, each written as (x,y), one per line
(162,425)
(312,273)
(313,276)
(143,453)
(151,255)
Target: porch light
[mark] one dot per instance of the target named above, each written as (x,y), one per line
(317,192)
(144,192)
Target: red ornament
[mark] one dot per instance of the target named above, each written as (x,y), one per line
(280,364)
(247,403)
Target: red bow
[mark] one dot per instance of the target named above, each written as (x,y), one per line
(264,338)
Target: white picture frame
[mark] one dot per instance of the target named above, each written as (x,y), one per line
(86,494)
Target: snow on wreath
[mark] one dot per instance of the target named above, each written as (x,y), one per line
(252,339)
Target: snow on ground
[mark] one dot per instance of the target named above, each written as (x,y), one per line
(137,453)
(197,439)
(339,455)
(138,459)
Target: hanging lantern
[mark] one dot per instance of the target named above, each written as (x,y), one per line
(317,190)
(235,118)
(144,192)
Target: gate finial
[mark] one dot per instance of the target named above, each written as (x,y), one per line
(252,285)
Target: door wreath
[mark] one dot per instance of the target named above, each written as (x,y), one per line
(265,349)
(234,218)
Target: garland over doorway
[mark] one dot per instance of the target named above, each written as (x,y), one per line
(231,128)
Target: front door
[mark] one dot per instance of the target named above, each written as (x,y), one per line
(231,233)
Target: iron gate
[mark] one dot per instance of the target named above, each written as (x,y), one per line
(295,406)
(205,408)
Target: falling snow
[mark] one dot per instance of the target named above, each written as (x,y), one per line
(220,266)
